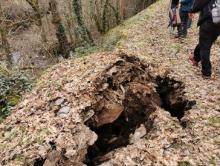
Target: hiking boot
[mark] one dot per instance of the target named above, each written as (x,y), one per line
(206,77)
(194,62)
(177,36)
(184,36)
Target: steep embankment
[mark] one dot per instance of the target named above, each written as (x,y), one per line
(123,100)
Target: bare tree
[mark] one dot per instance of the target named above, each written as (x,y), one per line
(4,40)
(101,12)
(116,11)
(60,31)
(104,17)
(35,6)
(82,28)
(122,9)
(70,23)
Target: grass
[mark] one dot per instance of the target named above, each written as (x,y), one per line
(214,121)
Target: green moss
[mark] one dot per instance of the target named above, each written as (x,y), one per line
(13,100)
(45,131)
(112,40)
(20,158)
(212,162)
(41,135)
(214,121)
(184,163)
(10,135)
(39,140)
(177,46)
(11,88)
(84,51)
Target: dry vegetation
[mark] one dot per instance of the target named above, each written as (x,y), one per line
(142,103)
(36,33)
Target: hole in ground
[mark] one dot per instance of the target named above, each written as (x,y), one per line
(125,100)
(137,108)
(39,162)
(115,135)
(173,97)
(139,103)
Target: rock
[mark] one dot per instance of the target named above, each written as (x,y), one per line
(138,134)
(64,110)
(110,114)
(16,57)
(59,101)
(53,158)
(176,85)
(94,137)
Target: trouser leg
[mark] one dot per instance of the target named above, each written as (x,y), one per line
(189,23)
(197,56)
(207,37)
(184,23)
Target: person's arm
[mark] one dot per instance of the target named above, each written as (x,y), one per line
(185,1)
(198,5)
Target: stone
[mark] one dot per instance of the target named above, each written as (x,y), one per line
(16,57)
(138,134)
(64,110)
(59,101)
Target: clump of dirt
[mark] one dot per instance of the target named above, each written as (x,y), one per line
(126,98)
(53,157)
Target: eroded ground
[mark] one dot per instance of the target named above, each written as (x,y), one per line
(144,104)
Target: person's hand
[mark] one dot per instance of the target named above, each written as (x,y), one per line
(191,15)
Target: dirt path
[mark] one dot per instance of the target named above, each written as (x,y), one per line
(53,124)
(150,38)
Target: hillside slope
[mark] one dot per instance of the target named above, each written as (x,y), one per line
(112,104)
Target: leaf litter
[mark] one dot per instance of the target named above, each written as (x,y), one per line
(65,117)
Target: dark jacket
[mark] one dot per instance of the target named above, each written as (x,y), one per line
(205,9)
(186,5)
(175,3)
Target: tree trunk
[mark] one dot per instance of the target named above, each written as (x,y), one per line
(83,30)
(104,17)
(35,6)
(116,11)
(70,23)
(122,9)
(60,31)
(5,43)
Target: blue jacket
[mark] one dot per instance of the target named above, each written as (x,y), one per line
(186,5)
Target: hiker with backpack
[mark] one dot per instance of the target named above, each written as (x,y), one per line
(209,23)
(185,8)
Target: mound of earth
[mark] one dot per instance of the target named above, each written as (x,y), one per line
(85,110)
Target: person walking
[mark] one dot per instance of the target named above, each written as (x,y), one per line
(208,34)
(185,8)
